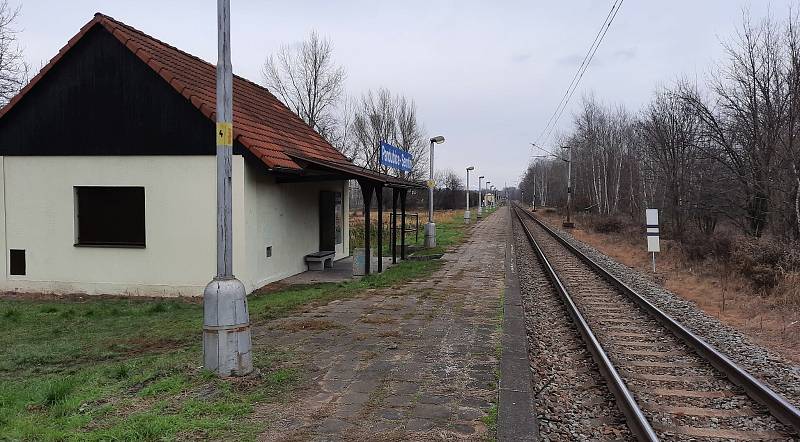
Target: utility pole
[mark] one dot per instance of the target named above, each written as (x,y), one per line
(226,322)
(568,223)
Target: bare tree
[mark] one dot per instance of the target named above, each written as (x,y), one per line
(601,144)
(305,77)
(410,136)
(669,130)
(745,120)
(373,123)
(448,180)
(383,117)
(342,133)
(13,69)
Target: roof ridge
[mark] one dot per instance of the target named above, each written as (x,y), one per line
(265,126)
(146,35)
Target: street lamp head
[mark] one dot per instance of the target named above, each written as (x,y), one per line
(471,168)
(437,139)
(481,177)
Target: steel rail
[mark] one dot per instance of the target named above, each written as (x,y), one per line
(777,405)
(637,422)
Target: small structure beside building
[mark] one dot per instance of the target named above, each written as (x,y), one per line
(107,170)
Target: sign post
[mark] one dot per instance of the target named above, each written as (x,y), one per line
(651,223)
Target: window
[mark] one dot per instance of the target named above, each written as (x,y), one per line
(109,216)
(17,261)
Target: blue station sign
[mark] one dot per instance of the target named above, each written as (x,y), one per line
(395,158)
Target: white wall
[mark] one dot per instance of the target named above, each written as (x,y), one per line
(38,215)
(39,212)
(272,211)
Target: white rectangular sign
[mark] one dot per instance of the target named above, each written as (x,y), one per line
(651,217)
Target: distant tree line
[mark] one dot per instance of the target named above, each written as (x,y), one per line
(724,150)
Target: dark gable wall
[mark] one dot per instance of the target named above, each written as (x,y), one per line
(100,99)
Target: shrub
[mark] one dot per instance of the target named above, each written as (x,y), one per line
(788,290)
(608,224)
(762,260)
(698,246)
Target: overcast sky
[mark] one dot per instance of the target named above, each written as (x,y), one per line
(486,75)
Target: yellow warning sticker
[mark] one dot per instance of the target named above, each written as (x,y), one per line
(224,134)
(431,184)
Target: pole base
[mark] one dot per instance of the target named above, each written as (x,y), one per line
(467,217)
(227,349)
(430,235)
(568,225)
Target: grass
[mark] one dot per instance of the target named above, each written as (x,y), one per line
(491,423)
(111,369)
(450,230)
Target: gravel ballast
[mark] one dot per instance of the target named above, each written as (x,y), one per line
(776,371)
(572,399)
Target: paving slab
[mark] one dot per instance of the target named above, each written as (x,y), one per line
(413,362)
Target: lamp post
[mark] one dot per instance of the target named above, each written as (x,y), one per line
(226,323)
(466,212)
(430,228)
(487,190)
(480,202)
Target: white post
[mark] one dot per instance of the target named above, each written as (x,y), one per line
(226,322)
(652,231)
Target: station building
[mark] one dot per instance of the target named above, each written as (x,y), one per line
(108,175)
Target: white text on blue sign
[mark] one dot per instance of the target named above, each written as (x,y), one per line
(395,158)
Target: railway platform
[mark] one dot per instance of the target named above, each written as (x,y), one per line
(413,362)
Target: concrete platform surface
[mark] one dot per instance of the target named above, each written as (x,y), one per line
(414,362)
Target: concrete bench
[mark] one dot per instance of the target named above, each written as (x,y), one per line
(320,260)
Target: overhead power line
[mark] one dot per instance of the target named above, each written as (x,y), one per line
(576,79)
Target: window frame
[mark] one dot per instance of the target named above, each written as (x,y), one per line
(77,242)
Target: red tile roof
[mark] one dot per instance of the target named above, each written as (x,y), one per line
(261,123)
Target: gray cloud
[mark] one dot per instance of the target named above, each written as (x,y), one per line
(451,57)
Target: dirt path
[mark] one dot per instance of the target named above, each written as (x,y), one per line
(415,362)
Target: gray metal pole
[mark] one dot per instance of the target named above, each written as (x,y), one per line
(226,322)
(430,227)
(569,185)
(430,190)
(466,211)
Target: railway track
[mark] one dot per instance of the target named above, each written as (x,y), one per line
(669,384)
